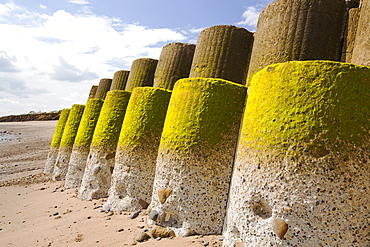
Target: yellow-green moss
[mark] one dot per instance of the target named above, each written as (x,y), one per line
(110,120)
(312,106)
(144,117)
(59,129)
(88,122)
(72,124)
(202,112)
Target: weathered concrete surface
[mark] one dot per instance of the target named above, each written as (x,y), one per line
(81,146)
(141,73)
(119,80)
(100,162)
(55,142)
(361,50)
(174,63)
(222,52)
(196,155)
(92,92)
(350,35)
(298,30)
(103,88)
(302,170)
(66,143)
(137,149)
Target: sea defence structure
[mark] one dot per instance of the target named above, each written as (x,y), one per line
(137,149)
(103,88)
(55,142)
(100,162)
(196,155)
(92,92)
(66,143)
(141,73)
(301,175)
(119,80)
(298,30)
(222,52)
(174,64)
(81,146)
(361,49)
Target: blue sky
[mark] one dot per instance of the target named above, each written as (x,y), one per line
(53,51)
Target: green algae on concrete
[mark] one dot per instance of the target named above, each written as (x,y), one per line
(141,73)
(66,143)
(82,143)
(302,163)
(144,117)
(55,142)
(103,88)
(100,163)
(119,80)
(330,107)
(88,122)
(200,112)
(137,149)
(196,155)
(110,120)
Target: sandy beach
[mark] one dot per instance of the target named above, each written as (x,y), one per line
(35,211)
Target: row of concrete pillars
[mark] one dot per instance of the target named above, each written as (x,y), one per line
(279,171)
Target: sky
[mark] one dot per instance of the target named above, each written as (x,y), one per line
(53,51)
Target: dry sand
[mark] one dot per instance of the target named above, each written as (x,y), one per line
(35,211)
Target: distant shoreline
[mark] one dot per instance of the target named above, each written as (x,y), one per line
(31,117)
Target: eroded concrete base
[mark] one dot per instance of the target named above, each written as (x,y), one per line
(132,180)
(97,177)
(61,163)
(190,191)
(76,168)
(50,162)
(323,201)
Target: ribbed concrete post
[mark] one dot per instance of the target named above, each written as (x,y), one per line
(55,142)
(66,143)
(81,146)
(103,88)
(196,155)
(361,50)
(137,150)
(350,35)
(298,30)
(141,73)
(302,171)
(119,80)
(222,52)
(174,64)
(100,162)
(93,92)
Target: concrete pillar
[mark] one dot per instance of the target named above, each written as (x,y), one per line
(119,80)
(301,175)
(350,35)
(141,74)
(196,155)
(55,142)
(66,143)
(93,92)
(100,162)
(361,49)
(81,146)
(174,64)
(222,52)
(103,88)
(134,170)
(298,30)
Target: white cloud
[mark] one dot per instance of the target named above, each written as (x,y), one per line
(79,2)
(250,17)
(43,6)
(44,59)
